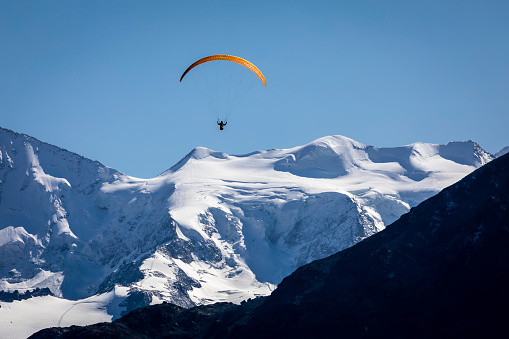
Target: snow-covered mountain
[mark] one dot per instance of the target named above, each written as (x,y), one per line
(439,271)
(214,227)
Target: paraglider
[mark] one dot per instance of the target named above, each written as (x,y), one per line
(231,58)
(222,124)
(223,86)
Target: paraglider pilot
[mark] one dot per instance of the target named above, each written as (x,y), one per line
(222,124)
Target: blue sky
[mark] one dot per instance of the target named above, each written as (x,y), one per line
(101,78)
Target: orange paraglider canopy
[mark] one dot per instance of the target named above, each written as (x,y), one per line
(231,58)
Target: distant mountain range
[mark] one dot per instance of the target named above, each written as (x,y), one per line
(440,271)
(213,228)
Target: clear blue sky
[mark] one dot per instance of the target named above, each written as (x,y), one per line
(101,78)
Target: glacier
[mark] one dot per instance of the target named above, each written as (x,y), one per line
(214,227)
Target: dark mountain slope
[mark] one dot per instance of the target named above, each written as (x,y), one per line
(441,270)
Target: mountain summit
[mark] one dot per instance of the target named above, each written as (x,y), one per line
(214,227)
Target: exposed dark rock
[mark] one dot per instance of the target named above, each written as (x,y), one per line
(126,274)
(136,299)
(16,295)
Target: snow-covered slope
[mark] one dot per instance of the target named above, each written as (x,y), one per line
(215,227)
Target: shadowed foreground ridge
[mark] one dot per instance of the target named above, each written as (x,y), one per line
(441,270)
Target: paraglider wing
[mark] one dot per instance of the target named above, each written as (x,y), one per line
(231,58)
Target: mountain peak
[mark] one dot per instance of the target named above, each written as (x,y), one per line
(197,153)
(327,157)
(203,152)
(334,141)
